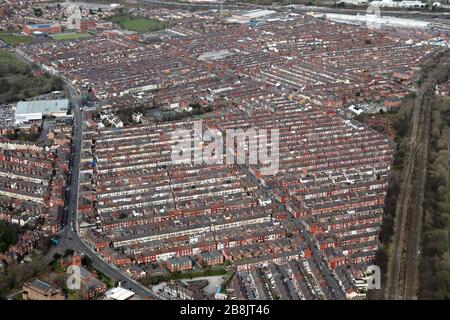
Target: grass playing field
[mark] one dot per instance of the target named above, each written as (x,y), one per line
(141,24)
(7,59)
(13,39)
(70,36)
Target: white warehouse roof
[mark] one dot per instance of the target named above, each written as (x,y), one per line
(42,106)
(258,13)
(119,293)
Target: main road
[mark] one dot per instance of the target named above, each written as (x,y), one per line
(69,235)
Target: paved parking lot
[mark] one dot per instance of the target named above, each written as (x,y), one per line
(7,116)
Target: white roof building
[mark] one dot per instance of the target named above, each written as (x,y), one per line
(402,4)
(258,13)
(355,109)
(247,16)
(34,110)
(119,293)
(355,2)
(374,21)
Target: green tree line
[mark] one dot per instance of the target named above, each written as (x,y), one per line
(153,280)
(434,261)
(8,235)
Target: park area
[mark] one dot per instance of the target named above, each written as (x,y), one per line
(14,39)
(18,80)
(70,36)
(140,24)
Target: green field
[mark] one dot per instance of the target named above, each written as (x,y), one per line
(140,24)
(70,36)
(18,82)
(13,39)
(9,62)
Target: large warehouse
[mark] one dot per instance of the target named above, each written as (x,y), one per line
(33,111)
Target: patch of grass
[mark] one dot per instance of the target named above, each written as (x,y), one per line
(25,136)
(104,278)
(223,286)
(140,24)
(72,295)
(70,36)
(14,40)
(177,275)
(8,60)
(56,267)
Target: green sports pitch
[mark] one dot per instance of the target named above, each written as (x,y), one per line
(13,39)
(140,24)
(70,36)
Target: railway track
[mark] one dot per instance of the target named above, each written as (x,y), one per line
(414,224)
(404,207)
(402,279)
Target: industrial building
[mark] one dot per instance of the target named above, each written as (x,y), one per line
(33,111)
(119,293)
(40,290)
(44,28)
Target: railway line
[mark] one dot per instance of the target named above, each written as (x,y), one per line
(402,278)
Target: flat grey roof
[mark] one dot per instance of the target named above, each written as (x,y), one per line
(44,286)
(42,106)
